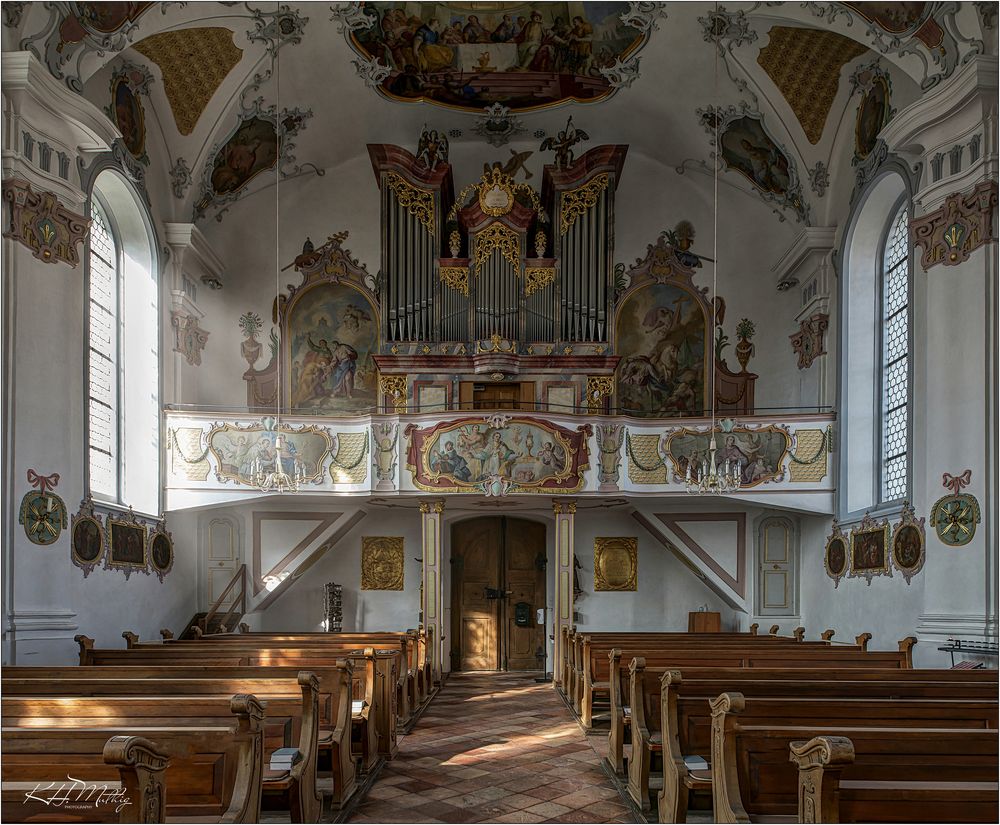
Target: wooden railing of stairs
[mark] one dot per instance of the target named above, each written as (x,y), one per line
(214,620)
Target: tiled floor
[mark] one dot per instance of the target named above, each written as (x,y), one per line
(494,748)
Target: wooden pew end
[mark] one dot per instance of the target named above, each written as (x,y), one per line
(141,767)
(131,639)
(827,635)
(906,648)
(862,640)
(821,761)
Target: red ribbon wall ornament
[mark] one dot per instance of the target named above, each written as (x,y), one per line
(43,483)
(950,482)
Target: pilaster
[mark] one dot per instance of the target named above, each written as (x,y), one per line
(431,606)
(565,513)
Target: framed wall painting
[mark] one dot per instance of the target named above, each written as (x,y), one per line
(161,552)
(616,563)
(836,554)
(87,541)
(870,549)
(126,541)
(909,544)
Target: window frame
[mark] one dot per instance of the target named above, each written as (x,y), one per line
(902,204)
(119,459)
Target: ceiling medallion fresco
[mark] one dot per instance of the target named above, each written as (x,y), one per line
(748,148)
(805,65)
(193,62)
(522,55)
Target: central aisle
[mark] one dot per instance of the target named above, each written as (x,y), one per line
(494,747)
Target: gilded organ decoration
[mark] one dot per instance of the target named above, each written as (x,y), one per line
(616,563)
(456,277)
(530,455)
(538,277)
(393,390)
(382,563)
(418,202)
(497,237)
(576,202)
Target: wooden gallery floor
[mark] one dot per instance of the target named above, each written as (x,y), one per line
(495,747)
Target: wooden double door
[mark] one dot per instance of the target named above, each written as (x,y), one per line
(498,584)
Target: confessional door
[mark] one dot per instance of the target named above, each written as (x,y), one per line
(498,584)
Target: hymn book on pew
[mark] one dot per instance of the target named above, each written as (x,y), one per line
(284,759)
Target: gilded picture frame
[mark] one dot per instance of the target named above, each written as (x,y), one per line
(126,545)
(616,563)
(87,545)
(160,552)
(836,555)
(870,549)
(255,445)
(909,544)
(382,562)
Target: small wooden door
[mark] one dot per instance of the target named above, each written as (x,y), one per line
(497,587)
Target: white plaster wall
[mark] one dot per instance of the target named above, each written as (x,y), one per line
(667,590)
(300,608)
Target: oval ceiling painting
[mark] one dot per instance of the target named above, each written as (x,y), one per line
(521,55)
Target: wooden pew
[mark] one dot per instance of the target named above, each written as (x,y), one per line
(369,728)
(296,699)
(684,722)
(119,781)
(597,670)
(215,770)
(250,653)
(412,645)
(913,740)
(824,796)
(289,721)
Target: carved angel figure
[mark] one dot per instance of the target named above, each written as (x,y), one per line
(562,144)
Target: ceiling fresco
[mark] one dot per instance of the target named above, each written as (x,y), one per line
(805,65)
(522,55)
(193,62)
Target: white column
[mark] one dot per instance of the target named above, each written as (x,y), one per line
(565,513)
(430,602)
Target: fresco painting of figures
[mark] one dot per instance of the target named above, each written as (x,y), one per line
(662,328)
(253,455)
(463,455)
(523,55)
(332,334)
(748,149)
(760,454)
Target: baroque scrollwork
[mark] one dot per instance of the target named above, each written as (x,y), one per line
(41,223)
(418,202)
(576,202)
(964,223)
(456,277)
(536,278)
(497,236)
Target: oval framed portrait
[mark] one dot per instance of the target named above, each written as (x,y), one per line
(87,546)
(873,113)
(129,117)
(161,553)
(835,558)
(909,545)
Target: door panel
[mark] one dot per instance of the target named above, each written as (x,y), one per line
(500,554)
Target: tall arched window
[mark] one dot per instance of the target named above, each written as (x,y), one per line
(104,380)
(123,382)
(895,372)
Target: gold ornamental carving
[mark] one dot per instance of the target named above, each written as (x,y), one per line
(497,236)
(496,193)
(576,202)
(457,277)
(538,277)
(616,563)
(382,563)
(418,202)
(394,387)
(599,387)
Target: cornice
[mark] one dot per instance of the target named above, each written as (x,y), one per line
(805,254)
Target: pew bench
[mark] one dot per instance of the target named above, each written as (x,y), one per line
(754,777)
(824,796)
(213,769)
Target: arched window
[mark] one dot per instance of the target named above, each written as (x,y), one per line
(895,367)
(123,396)
(104,379)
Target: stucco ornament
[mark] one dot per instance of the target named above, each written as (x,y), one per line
(189,337)
(954,517)
(609,446)
(42,513)
(949,235)
(385,454)
(41,223)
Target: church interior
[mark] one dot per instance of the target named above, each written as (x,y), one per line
(500,412)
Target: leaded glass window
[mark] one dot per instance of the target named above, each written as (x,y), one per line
(103,393)
(895,359)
